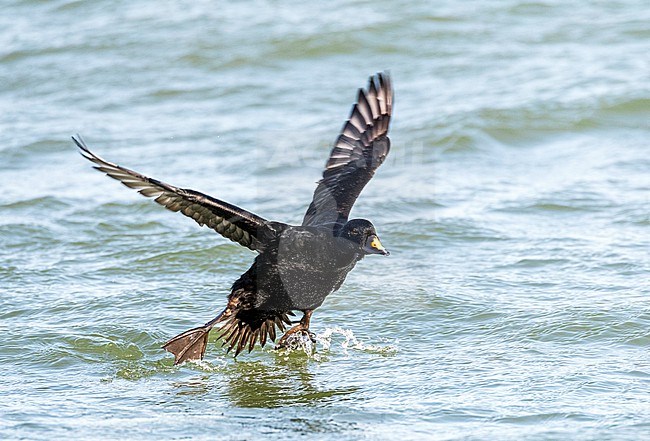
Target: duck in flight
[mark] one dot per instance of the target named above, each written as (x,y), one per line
(296,267)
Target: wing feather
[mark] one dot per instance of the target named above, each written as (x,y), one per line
(230,221)
(359,150)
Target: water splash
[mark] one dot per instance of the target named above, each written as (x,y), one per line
(352,343)
(300,343)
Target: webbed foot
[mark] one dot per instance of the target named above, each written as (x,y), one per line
(296,338)
(190,345)
(299,336)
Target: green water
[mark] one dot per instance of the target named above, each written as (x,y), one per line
(515,203)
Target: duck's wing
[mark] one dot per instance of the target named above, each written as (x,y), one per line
(361,147)
(230,221)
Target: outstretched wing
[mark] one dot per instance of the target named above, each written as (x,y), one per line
(361,147)
(228,220)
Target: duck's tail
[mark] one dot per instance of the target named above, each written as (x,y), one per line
(244,329)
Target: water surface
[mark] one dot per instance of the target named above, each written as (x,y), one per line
(515,203)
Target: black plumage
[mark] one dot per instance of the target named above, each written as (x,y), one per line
(296,266)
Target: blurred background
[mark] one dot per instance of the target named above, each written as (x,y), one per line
(515,203)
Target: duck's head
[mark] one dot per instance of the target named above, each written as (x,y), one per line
(362,232)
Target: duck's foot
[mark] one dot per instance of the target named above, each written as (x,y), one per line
(190,345)
(299,336)
(297,339)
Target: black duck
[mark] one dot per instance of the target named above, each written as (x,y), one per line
(296,266)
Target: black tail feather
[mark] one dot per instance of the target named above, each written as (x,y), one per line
(244,329)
